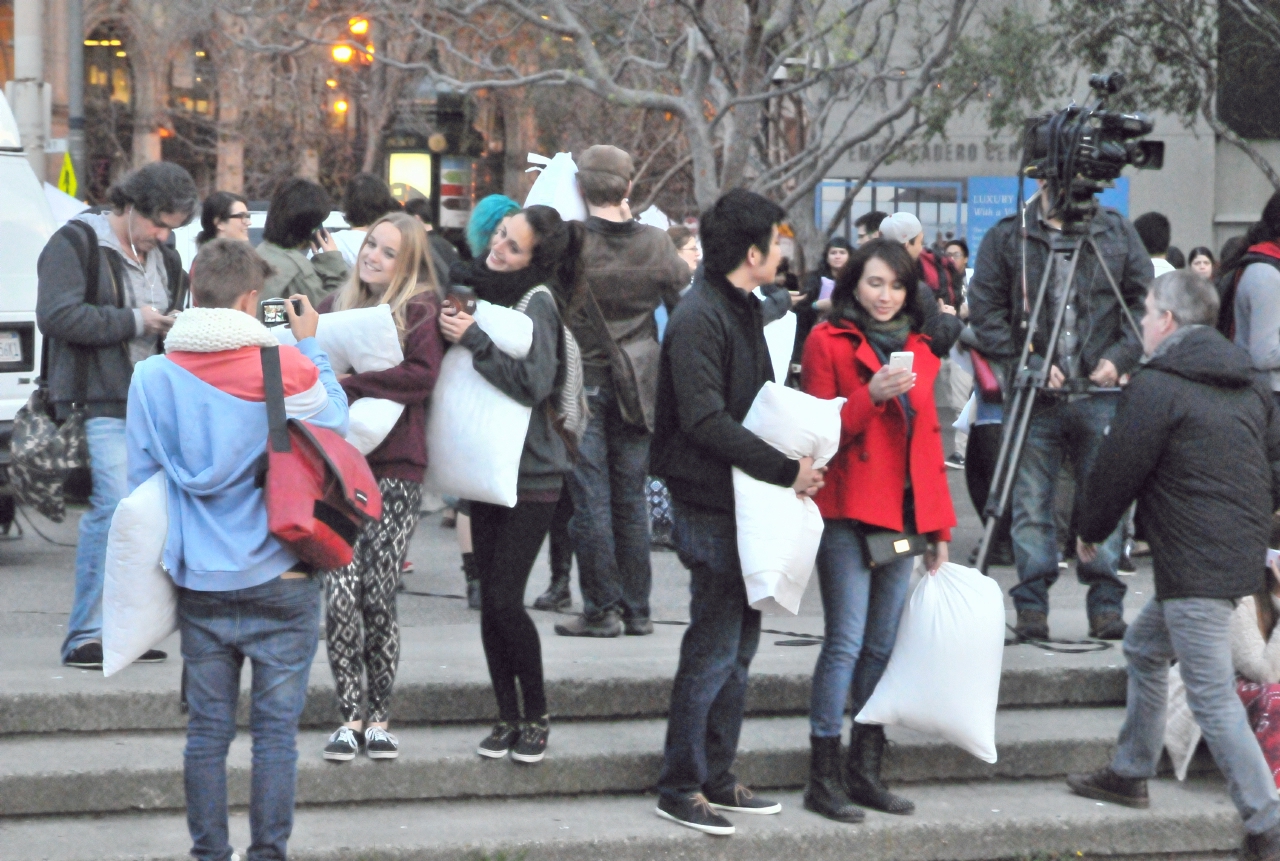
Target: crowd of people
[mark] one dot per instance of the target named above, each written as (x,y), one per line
(669,327)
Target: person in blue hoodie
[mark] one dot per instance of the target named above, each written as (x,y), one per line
(198,414)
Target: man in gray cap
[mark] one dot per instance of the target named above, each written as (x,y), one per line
(625,271)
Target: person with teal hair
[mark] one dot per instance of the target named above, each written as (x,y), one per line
(485,218)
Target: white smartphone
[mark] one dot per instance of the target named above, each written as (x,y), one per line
(1272,556)
(901,360)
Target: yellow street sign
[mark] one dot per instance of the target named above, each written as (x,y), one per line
(67,177)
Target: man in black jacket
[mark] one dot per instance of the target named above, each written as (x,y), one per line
(1096,348)
(108,289)
(714,362)
(1196,440)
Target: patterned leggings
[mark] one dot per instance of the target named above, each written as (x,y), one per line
(360,605)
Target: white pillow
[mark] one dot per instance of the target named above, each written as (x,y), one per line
(369,420)
(778,532)
(780,336)
(943,677)
(139,600)
(359,340)
(475,432)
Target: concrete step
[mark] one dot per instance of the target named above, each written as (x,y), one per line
(113,772)
(443,679)
(953,822)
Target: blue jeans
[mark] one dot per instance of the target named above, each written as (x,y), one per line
(108,463)
(1196,632)
(860,611)
(277,627)
(1067,429)
(610,525)
(710,689)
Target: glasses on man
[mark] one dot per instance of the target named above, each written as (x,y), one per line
(243,216)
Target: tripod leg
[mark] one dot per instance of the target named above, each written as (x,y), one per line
(1115,288)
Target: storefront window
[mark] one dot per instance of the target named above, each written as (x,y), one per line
(938,204)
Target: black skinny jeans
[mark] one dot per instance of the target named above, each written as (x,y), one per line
(507,541)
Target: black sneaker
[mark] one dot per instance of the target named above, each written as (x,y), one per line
(532,744)
(86,657)
(955,461)
(498,742)
(1106,785)
(741,800)
(694,811)
(152,656)
(342,745)
(380,744)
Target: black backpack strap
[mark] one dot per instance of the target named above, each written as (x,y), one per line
(90,258)
(273,386)
(178,281)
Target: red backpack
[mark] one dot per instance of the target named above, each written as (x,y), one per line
(319,489)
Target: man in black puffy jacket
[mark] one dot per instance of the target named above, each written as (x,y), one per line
(1196,440)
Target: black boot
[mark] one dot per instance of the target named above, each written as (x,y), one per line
(557,596)
(825,793)
(862,772)
(472,574)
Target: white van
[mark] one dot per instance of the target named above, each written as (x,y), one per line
(26,223)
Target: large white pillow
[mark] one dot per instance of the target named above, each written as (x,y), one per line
(139,600)
(779,532)
(475,432)
(943,677)
(359,340)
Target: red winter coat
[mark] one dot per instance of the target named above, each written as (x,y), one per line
(868,476)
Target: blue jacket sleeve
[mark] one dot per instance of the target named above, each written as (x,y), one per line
(141,462)
(334,416)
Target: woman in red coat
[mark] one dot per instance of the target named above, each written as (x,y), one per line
(888,475)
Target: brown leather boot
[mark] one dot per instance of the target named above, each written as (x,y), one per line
(1106,785)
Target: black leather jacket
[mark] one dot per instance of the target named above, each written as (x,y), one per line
(996,303)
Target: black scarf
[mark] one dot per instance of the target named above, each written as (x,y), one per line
(885,338)
(501,288)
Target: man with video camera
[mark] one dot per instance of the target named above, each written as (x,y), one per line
(1096,348)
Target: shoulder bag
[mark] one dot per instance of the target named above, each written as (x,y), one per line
(628,387)
(319,489)
(42,449)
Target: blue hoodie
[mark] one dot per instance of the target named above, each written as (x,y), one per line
(208,443)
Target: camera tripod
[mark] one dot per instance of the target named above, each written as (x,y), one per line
(1028,382)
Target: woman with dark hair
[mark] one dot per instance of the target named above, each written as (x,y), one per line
(295,220)
(888,476)
(365,199)
(223,215)
(1200,260)
(531,256)
(1254,293)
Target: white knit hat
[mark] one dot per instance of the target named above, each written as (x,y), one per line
(901,227)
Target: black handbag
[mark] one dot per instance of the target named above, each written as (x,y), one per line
(883,546)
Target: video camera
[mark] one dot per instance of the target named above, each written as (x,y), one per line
(1080,151)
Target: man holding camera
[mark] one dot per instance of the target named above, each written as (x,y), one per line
(1096,348)
(1208,518)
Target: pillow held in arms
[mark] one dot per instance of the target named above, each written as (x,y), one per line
(139,600)
(475,432)
(359,340)
(944,675)
(779,532)
(556,186)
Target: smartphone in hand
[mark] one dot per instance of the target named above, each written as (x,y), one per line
(902,361)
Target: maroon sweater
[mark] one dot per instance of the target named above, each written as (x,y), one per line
(403,454)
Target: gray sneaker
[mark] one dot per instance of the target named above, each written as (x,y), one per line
(607,625)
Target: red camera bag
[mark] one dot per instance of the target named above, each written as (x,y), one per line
(319,489)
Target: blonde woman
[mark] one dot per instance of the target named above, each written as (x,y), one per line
(393,267)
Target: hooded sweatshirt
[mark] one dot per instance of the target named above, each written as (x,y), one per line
(1196,441)
(199,413)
